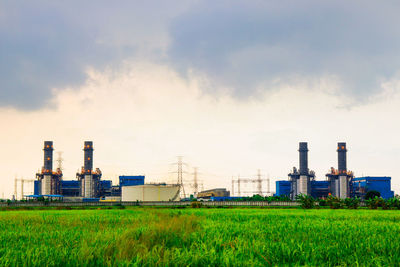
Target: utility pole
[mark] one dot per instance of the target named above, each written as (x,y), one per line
(195,181)
(259,182)
(22,188)
(15,187)
(238,181)
(233,187)
(22,181)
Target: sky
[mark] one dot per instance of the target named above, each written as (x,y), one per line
(233,87)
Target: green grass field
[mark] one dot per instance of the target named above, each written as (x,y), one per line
(198,237)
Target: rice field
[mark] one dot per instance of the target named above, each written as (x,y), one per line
(199,237)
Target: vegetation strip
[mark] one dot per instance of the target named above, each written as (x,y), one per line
(198,237)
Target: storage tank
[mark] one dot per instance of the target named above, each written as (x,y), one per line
(150,192)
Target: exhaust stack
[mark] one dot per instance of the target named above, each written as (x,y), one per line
(88,154)
(49,180)
(48,156)
(90,180)
(342,164)
(301,179)
(303,158)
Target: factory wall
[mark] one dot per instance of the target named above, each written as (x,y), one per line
(36,187)
(71,188)
(282,188)
(361,185)
(319,189)
(150,192)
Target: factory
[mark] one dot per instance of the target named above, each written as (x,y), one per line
(89,185)
(339,182)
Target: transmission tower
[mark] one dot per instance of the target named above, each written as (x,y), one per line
(195,181)
(22,181)
(180,175)
(60,161)
(259,182)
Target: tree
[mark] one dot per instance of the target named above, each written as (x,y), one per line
(306,201)
(372,194)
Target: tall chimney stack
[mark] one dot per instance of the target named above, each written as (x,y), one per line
(48,156)
(88,160)
(342,164)
(303,158)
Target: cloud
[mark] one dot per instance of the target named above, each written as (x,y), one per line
(248,45)
(46,44)
(139,125)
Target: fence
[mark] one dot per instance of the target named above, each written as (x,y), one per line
(150,203)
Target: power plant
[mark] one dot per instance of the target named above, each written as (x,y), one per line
(50,181)
(89,185)
(89,179)
(301,179)
(340,182)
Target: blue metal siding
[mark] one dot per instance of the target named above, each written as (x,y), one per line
(319,189)
(131,180)
(106,184)
(36,187)
(70,188)
(282,188)
(70,184)
(361,185)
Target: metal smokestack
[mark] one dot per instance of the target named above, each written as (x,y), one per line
(342,164)
(303,158)
(88,156)
(48,156)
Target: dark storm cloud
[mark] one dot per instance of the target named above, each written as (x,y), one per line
(240,44)
(243,44)
(50,44)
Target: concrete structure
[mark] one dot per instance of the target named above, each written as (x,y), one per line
(340,179)
(90,180)
(49,180)
(300,180)
(150,192)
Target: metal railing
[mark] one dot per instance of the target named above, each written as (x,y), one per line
(149,203)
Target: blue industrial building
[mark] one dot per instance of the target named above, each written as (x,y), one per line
(131,180)
(359,187)
(71,188)
(362,185)
(319,189)
(283,188)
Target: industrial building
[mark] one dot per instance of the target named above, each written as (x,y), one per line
(340,182)
(362,185)
(216,192)
(150,192)
(50,181)
(300,180)
(90,186)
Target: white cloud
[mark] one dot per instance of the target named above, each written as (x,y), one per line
(140,119)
